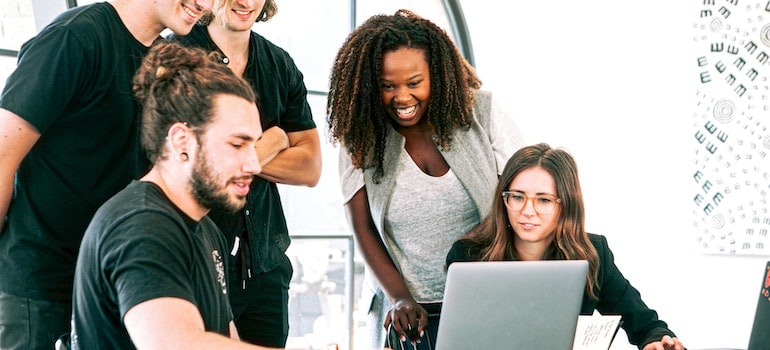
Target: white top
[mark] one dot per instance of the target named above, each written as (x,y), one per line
(425,216)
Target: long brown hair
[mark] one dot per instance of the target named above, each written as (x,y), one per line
(493,238)
(355,114)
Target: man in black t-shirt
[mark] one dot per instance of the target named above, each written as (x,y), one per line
(151,271)
(290,152)
(68,142)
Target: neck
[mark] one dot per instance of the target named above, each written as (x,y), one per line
(176,188)
(137,17)
(530,251)
(234,44)
(420,130)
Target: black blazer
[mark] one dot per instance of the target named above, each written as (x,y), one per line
(616,295)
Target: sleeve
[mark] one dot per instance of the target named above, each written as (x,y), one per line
(351,179)
(619,297)
(298,116)
(504,135)
(500,128)
(50,72)
(458,252)
(144,264)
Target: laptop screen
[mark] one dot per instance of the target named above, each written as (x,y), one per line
(760,331)
(511,305)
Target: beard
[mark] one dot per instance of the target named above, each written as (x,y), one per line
(210,190)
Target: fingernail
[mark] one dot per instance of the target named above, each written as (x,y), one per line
(422,333)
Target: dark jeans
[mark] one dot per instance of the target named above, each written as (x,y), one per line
(261,311)
(31,324)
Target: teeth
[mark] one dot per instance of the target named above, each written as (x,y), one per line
(407,110)
(240,12)
(190,13)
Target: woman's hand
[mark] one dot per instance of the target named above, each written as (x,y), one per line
(665,343)
(409,319)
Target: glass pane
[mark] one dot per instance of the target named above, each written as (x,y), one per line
(7,65)
(320,293)
(317,210)
(17,22)
(430,9)
(312,32)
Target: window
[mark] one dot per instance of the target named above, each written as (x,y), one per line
(18,25)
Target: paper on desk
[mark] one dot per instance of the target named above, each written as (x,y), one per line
(595,332)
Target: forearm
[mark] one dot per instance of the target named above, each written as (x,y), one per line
(6,192)
(373,249)
(17,137)
(298,164)
(173,323)
(210,340)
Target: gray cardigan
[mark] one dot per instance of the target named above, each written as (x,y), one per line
(476,155)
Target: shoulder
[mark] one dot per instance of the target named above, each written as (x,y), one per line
(266,47)
(461,251)
(139,202)
(83,19)
(88,26)
(602,249)
(482,107)
(597,240)
(198,36)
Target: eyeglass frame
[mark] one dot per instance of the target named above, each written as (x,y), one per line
(556,200)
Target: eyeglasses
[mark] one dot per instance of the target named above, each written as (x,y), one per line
(543,203)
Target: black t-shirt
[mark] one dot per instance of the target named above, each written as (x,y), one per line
(73,84)
(282,101)
(141,247)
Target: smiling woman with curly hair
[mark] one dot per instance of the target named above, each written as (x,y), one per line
(422,147)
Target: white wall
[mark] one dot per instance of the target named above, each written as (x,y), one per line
(614,82)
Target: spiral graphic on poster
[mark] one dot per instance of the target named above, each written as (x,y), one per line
(764,35)
(723,110)
(766,141)
(718,221)
(715,25)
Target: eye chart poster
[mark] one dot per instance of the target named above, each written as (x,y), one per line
(731,172)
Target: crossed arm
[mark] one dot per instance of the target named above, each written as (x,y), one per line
(292,158)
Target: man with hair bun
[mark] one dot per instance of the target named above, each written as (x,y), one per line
(69,129)
(151,272)
(290,153)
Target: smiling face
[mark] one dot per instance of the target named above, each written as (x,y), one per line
(227,159)
(240,15)
(405,85)
(179,16)
(530,227)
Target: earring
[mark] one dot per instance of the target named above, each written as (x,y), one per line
(184,156)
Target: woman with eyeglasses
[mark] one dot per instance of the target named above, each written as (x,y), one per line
(537,214)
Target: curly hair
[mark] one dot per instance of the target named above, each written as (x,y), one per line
(177,84)
(492,240)
(356,116)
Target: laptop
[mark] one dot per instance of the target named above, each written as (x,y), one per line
(517,305)
(760,334)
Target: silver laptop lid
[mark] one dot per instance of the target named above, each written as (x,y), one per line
(517,305)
